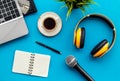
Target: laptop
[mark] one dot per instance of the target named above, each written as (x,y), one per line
(12,24)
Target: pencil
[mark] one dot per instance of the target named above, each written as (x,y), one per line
(48,47)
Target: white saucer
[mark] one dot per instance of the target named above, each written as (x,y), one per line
(57,28)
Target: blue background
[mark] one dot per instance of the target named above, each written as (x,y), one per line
(106,68)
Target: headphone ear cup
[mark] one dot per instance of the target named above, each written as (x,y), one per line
(82,37)
(100,48)
(74,40)
(79,37)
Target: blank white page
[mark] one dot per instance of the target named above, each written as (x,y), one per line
(21,62)
(41,65)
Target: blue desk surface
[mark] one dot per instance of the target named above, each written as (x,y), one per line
(106,68)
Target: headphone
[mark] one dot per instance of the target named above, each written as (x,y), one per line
(101,48)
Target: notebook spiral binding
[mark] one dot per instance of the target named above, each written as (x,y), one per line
(31,64)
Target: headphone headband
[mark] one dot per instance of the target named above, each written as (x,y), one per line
(104,18)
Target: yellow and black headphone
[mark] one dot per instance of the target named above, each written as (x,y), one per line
(101,48)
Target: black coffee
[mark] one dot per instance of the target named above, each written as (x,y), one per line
(49,23)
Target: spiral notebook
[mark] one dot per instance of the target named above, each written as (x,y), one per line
(31,63)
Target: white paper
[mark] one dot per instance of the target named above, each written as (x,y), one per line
(22,63)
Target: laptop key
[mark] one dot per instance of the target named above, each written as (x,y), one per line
(8,0)
(17,12)
(14,5)
(5,14)
(14,16)
(4,1)
(12,11)
(0,3)
(8,18)
(5,5)
(7,9)
(1,7)
(1,16)
(9,4)
(8,13)
(3,10)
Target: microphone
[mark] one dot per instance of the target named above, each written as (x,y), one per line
(72,62)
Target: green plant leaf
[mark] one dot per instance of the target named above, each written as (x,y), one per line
(81,4)
(71,1)
(70,10)
(63,6)
(82,9)
(73,4)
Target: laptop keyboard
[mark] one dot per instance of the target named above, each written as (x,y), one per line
(8,10)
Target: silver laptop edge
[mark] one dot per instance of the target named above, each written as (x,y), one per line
(14,28)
